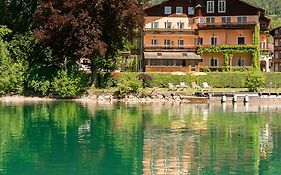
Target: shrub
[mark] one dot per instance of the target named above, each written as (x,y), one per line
(40,79)
(12,74)
(146,79)
(128,84)
(69,83)
(254,80)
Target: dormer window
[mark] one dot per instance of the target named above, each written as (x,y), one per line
(210,6)
(179,10)
(168,10)
(168,25)
(155,25)
(221,6)
(190,11)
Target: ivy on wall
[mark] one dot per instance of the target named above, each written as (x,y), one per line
(229,50)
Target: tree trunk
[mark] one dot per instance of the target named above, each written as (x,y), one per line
(94,73)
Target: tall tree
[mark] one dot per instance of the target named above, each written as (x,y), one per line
(18,15)
(93,29)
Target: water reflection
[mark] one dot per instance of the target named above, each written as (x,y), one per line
(155,138)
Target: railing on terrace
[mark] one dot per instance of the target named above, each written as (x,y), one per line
(226,25)
(224,68)
(172,30)
(170,47)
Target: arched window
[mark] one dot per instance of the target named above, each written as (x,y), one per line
(214,62)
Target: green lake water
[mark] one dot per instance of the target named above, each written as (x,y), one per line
(68,138)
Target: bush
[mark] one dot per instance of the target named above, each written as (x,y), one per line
(254,80)
(146,79)
(128,84)
(12,74)
(40,79)
(69,83)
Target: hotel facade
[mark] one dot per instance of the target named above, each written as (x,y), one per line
(190,35)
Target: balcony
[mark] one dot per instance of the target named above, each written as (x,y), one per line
(170,47)
(233,25)
(169,31)
(188,68)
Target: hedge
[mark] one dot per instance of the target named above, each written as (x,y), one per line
(214,79)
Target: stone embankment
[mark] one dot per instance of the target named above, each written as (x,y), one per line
(153,97)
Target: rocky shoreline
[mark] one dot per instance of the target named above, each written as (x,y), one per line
(154,97)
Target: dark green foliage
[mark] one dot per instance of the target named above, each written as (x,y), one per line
(40,79)
(254,80)
(69,82)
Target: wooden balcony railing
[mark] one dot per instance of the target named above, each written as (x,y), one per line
(231,25)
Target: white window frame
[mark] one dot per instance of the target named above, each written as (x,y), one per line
(167,10)
(242,17)
(190,10)
(210,6)
(166,25)
(226,21)
(179,25)
(217,40)
(181,10)
(180,42)
(154,41)
(241,37)
(166,43)
(222,9)
(154,25)
(210,20)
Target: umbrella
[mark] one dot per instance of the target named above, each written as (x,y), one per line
(199,73)
(178,73)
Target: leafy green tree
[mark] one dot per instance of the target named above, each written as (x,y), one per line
(12,74)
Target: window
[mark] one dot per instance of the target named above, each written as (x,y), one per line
(210,21)
(242,19)
(214,40)
(277,42)
(240,62)
(155,62)
(179,10)
(210,6)
(167,42)
(241,40)
(180,42)
(221,6)
(198,41)
(226,19)
(276,32)
(168,25)
(214,62)
(180,25)
(154,42)
(155,25)
(168,63)
(168,10)
(263,45)
(190,11)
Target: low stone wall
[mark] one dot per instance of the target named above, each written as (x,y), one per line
(163,97)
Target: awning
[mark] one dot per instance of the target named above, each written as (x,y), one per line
(172,55)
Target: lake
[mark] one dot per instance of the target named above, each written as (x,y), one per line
(65,138)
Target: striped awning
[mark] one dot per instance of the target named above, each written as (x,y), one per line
(172,55)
